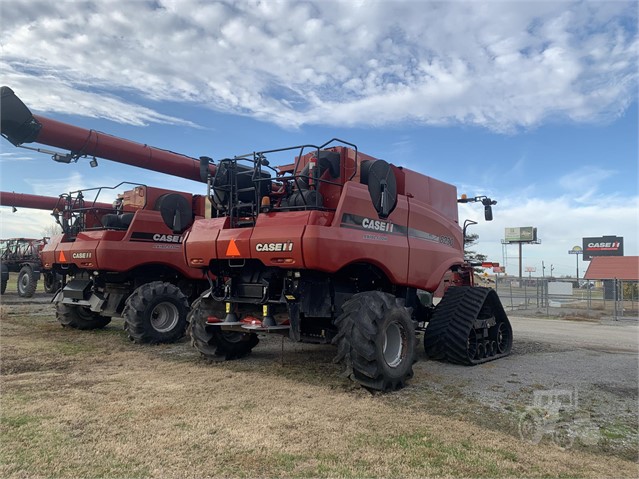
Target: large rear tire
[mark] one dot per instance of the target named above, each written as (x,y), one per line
(210,340)
(156,313)
(79,317)
(376,340)
(27,283)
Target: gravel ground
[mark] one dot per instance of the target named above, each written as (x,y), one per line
(568,374)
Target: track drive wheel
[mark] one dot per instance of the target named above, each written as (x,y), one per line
(211,341)
(79,317)
(376,340)
(27,283)
(156,313)
(51,283)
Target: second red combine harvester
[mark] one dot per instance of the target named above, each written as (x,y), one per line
(123,258)
(23,255)
(339,247)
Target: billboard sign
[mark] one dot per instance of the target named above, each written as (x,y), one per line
(602,246)
(522,234)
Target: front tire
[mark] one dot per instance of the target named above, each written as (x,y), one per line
(376,340)
(79,317)
(27,283)
(211,341)
(156,313)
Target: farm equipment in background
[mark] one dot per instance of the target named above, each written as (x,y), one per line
(124,259)
(339,247)
(22,255)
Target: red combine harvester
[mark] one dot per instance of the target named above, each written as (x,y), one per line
(23,255)
(342,248)
(122,258)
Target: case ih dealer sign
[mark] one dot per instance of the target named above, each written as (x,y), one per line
(603,246)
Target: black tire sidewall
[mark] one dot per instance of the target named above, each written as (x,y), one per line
(29,289)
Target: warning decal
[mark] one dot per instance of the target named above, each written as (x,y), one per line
(232,249)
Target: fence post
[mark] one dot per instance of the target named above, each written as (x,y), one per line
(512,308)
(615,303)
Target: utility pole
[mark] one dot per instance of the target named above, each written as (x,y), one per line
(543,270)
(551,269)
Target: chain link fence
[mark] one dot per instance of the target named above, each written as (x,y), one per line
(606,298)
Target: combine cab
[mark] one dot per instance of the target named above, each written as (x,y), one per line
(339,247)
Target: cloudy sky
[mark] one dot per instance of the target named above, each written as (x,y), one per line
(531,103)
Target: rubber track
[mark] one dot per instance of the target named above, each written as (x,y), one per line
(453,320)
(434,336)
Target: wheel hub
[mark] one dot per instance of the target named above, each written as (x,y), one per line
(164,317)
(393,350)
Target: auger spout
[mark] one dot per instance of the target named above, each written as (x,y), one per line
(37,202)
(19,126)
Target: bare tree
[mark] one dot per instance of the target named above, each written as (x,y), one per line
(51,229)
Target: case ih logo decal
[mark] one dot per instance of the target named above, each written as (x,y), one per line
(386,227)
(377,225)
(283,247)
(361,222)
(157,238)
(81,255)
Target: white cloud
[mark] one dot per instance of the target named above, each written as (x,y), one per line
(585,183)
(561,224)
(24,223)
(500,65)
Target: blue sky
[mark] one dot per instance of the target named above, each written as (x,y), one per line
(531,103)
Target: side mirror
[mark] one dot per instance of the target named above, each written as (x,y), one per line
(488,212)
